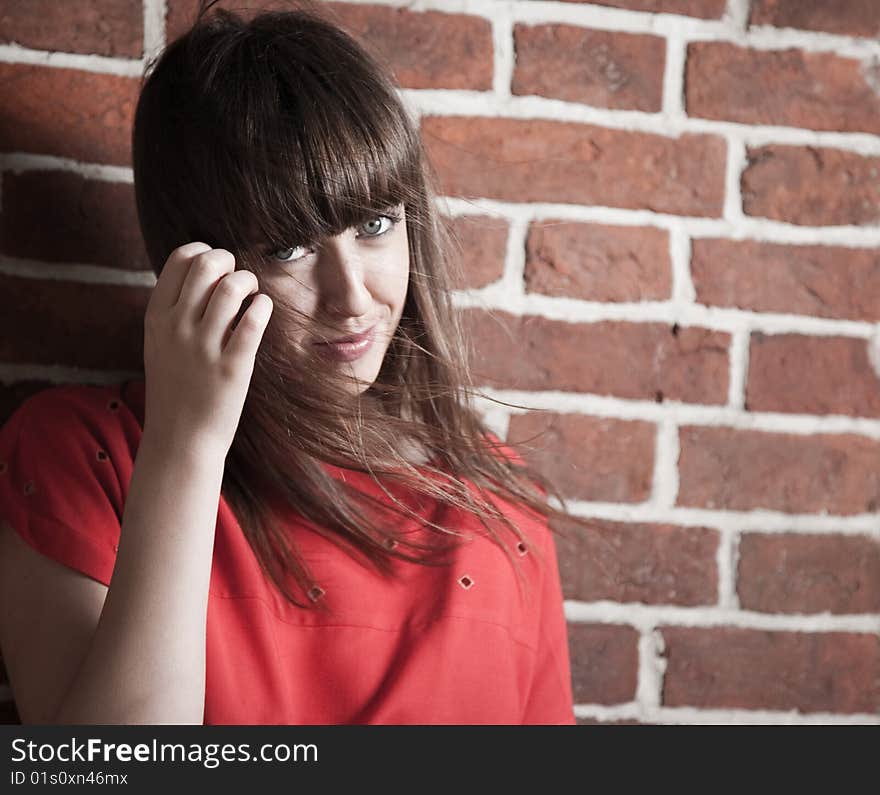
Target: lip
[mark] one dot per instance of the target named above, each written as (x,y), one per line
(351,349)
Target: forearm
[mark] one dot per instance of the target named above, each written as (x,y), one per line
(146,662)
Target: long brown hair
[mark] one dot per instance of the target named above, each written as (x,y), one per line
(283,128)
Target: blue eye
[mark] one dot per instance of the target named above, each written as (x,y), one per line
(289,257)
(393,220)
(286,255)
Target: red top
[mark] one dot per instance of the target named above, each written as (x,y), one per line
(421,649)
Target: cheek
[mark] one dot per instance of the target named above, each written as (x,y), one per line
(401,268)
(300,296)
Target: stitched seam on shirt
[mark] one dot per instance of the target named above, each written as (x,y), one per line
(381,629)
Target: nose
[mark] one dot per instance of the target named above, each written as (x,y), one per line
(341,275)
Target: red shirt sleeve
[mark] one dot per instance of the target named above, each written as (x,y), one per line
(59,485)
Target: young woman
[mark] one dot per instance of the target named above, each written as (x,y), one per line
(279,524)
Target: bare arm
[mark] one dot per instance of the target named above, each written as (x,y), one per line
(146,660)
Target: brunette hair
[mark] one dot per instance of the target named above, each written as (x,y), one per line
(283,128)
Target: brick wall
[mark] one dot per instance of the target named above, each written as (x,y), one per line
(671,209)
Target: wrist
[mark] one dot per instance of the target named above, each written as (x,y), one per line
(198,449)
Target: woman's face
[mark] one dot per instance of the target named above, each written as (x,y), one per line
(354,281)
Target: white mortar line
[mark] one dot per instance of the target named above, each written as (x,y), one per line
(694,715)
(673,78)
(648,618)
(21,162)
(496,297)
(503,48)
(758,520)
(735,164)
(154,27)
(739,367)
(728,570)
(601,18)
(483,104)
(76,272)
(685,413)
(724,319)
(683,292)
(747,228)
(736,15)
(496,418)
(651,668)
(124,67)
(512,281)
(665,476)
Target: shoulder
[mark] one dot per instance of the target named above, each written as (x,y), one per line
(68,440)
(62,412)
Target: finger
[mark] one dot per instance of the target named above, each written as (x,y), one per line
(205,273)
(167,290)
(246,337)
(226,304)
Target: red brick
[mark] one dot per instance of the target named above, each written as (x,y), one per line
(596,262)
(656,564)
(72,324)
(812,375)
(92,221)
(706,9)
(589,458)
(536,160)
(482,240)
(67,112)
(816,90)
(811,185)
(741,470)
(427,49)
(181,14)
(843,17)
(825,281)
(98,27)
(733,668)
(641,361)
(609,69)
(807,573)
(604,663)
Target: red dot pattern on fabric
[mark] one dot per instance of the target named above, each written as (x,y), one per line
(270,662)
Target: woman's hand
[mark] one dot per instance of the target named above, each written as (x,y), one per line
(197,367)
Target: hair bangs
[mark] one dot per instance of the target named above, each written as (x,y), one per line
(318,147)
